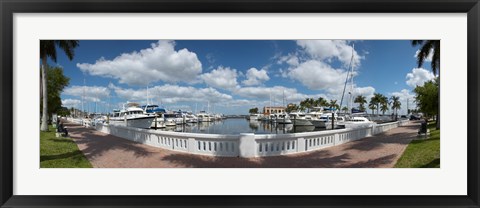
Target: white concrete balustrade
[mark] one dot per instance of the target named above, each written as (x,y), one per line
(247,144)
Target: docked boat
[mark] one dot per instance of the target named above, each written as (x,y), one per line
(253,117)
(316,113)
(170,119)
(282,118)
(191,118)
(204,117)
(132,116)
(300,119)
(356,121)
(155,110)
(325,121)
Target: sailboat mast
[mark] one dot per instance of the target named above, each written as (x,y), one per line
(348,75)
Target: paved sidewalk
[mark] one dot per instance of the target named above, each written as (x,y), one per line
(107,151)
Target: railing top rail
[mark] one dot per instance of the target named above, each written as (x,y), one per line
(181,134)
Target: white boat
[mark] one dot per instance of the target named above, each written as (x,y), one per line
(325,121)
(316,113)
(282,118)
(155,110)
(170,119)
(203,117)
(191,118)
(253,117)
(132,116)
(356,122)
(300,119)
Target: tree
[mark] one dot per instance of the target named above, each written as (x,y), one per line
(396,104)
(55,85)
(63,111)
(384,107)
(333,104)
(48,49)
(378,99)
(427,98)
(384,104)
(321,102)
(361,100)
(372,106)
(427,47)
(345,109)
(291,107)
(253,110)
(307,103)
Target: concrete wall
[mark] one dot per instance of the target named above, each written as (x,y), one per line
(247,144)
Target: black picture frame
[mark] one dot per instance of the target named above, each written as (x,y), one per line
(9,7)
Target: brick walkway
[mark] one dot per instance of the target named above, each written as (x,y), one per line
(107,151)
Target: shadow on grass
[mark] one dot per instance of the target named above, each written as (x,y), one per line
(62,140)
(60,156)
(432,164)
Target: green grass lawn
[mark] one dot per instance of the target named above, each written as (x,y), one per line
(61,152)
(422,153)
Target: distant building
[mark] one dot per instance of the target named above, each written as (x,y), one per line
(267,110)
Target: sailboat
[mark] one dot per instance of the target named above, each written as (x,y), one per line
(353,120)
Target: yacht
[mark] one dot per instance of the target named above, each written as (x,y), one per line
(155,110)
(282,118)
(316,113)
(356,121)
(132,116)
(203,117)
(170,119)
(191,118)
(325,121)
(300,119)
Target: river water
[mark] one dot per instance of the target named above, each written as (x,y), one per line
(240,125)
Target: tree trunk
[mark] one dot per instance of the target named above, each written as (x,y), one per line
(44,125)
(437,120)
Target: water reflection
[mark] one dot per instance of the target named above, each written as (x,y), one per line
(240,125)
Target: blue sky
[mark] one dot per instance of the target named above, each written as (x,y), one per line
(231,76)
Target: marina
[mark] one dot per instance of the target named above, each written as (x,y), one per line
(304,103)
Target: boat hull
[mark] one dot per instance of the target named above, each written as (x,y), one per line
(302,122)
(142,122)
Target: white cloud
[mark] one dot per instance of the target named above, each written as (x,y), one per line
(278,94)
(256,77)
(223,78)
(317,75)
(405,95)
(159,63)
(71,102)
(291,59)
(92,93)
(327,50)
(418,77)
(429,57)
(173,94)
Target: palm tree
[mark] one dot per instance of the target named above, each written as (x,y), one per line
(333,104)
(376,99)
(427,47)
(384,107)
(321,102)
(48,50)
(372,106)
(345,109)
(361,100)
(396,104)
(307,103)
(384,104)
